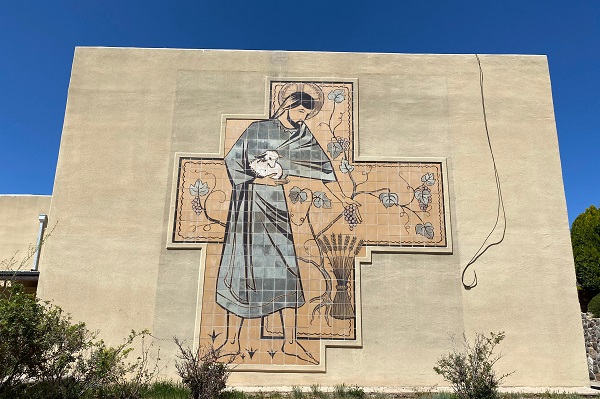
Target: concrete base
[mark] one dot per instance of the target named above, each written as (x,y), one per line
(582,391)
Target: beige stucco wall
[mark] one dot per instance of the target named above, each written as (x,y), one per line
(19,225)
(130,110)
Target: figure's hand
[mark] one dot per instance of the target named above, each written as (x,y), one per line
(270,181)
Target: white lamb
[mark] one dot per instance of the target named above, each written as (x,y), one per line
(266,165)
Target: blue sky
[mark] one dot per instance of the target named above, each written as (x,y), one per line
(38,39)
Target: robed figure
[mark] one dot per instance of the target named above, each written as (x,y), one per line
(258,274)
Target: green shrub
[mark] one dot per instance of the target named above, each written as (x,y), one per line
(44,355)
(356,392)
(471,371)
(593,306)
(297,392)
(234,394)
(345,392)
(21,348)
(316,391)
(379,395)
(166,390)
(340,391)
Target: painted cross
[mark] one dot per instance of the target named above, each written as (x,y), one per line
(286,214)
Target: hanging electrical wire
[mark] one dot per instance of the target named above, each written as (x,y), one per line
(500,213)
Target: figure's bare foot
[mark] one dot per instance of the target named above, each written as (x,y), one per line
(229,349)
(295,349)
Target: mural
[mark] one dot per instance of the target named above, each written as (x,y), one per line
(284,217)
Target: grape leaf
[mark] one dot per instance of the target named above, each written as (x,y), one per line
(388,199)
(345,166)
(303,196)
(320,200)
(423,195)
(334,149)
(336,95)
(199,188)
(426,230)
(428,179)
(297,195)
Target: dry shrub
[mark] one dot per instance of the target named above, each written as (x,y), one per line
(471,371)
(202,371)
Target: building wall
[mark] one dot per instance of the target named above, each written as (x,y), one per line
(130,110)
(19,225)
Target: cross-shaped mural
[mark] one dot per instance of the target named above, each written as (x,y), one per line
(286,215)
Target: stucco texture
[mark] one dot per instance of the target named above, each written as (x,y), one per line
(130,110)
(19,226)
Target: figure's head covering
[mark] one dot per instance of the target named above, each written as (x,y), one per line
(314,91)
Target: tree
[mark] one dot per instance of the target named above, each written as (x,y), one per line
(585,238)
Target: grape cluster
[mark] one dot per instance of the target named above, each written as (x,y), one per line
(344,142)
(423,206)
(352,216)
(197,206)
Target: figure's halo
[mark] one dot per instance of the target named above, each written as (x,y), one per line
(309,88)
